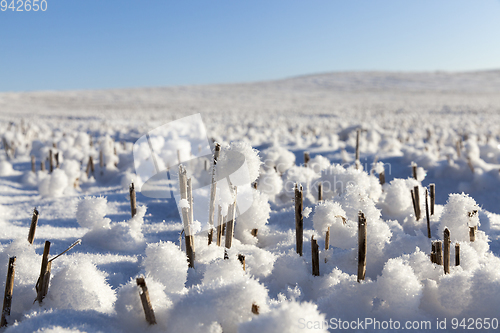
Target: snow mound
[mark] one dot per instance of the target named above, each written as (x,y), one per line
(460,213)
(255,217)
(336,180)
(399,289)
(288,316)
(26,274)
(54,184)
(251,163)
(166,263)
(6,169)
(279,158)
(326,214)
(343,233)
(225,298)
(120,236)
(130,311)
(81,286)
(270,183)
(91,212)
(397,201)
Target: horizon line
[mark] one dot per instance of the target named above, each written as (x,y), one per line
(297,76)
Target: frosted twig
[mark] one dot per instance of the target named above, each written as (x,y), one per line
(69,248)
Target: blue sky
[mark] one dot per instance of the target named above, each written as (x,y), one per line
(94,44)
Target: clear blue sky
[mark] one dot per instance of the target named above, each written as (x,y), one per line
(92,44)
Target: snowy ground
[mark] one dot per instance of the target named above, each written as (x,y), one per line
(446,123)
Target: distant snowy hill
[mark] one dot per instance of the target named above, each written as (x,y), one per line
(310,93)
(468,82)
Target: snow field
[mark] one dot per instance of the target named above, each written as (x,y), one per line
(93,287)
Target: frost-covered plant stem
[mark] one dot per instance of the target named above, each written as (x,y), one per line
(458,147)
(34,221)
(327,239)
(51,163)
(415,196)
(433,252)
(417,202)
(213,190)
(299,221)
(219,226)
(439,253)
(90,166)
(79,241)
(133,204)
(381,178)
(241,258)
(362,246)
(9,287)
(427,214)
(433,196)
(414,171)
(146,301)
(230,224)
(306,158)
(447,243)
(186,214)
(472,233)
(315,256)
(42,286)
(190,200)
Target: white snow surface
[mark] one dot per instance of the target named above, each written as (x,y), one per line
(448,124)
